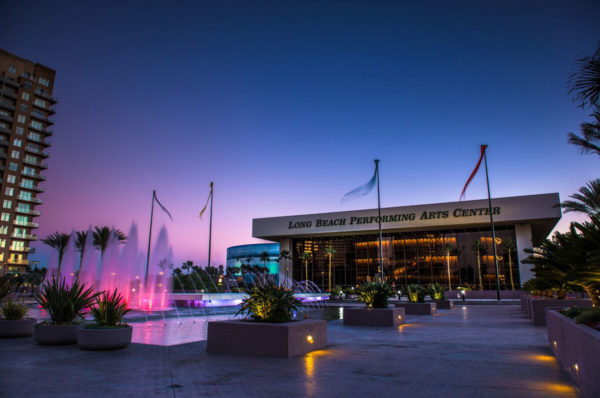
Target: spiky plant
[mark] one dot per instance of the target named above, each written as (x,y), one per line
(437,292)
(5,287)
(375,294)
(110,309)
(14,310)
(416,293)
(269,303)
(65,303)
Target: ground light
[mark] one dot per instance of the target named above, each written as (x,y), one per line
(310,339)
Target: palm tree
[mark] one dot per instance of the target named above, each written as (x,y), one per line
(80,239)
(102,236)
(585,82)
(589,141)
(510,245)
(585,87)
(58,241)
(285,255)
(330,251)
(587,201)
(478,248)
(448,248)
(187,266)
(264,257)
(306,256)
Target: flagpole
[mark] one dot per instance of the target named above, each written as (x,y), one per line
(493,231)
(379,218)
(149,237)
(210,222)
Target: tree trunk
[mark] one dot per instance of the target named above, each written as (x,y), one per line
(479,271)
(512,283)
(593,290)
(448,264)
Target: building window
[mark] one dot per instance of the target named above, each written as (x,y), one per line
(7,204)
(9,191)
(35,136)
(27,84)
(26,75)
(3,230)
(27,183)
(29,171)
(36,125)
(13,166)
(44,82)
(40,102)
(5,217)
(31,158)
(25,96)
(17,142)
(12,69)
(11,178)
(20,130)
(23,107)
(15,154)
(21,119)
(24,195)
(2,241)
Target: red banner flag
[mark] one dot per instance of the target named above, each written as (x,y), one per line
(462,194)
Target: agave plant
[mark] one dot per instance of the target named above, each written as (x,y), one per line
(416,293)
(269,303)
(14,310)
(375,294)
(110,309)
(437,292)
(65,303)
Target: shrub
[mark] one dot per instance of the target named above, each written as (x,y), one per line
(589,316)
(437,292)
(375,294)
(416,293)
(14,310)
(269,303)
(349,290)
(109,309)
(336,291)
(65,303)
(5,287)
(572,312)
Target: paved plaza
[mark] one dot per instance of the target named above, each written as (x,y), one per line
(471,351)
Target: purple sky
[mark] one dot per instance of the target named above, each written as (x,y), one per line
(286,104)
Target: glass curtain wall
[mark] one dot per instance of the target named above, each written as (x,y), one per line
(456,258)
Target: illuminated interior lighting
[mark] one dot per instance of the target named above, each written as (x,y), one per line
(310,339)
(576,367)
(554,343)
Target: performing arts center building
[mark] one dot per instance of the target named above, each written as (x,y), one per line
(448,243)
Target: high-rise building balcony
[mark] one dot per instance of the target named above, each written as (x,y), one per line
(24,236)
(8,93)
(40,140)
(45,95)
(28,199)
(31,187)
(40,116)
(6,118)
(36,176)
(34,163)
(27,211)
(6,104)
(9,81)
(36,151)
(26,224)
(14,261)
(2,155)
(5,131)
(22,249)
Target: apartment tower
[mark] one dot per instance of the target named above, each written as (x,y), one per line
(25,119)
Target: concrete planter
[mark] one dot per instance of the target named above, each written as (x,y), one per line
(374,316)
(418,308)
(18,328)
(577,348)
(289,339)
(104,338)
(444,304)
(55,334)
(537,308)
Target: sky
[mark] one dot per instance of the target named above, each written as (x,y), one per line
(284,105)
